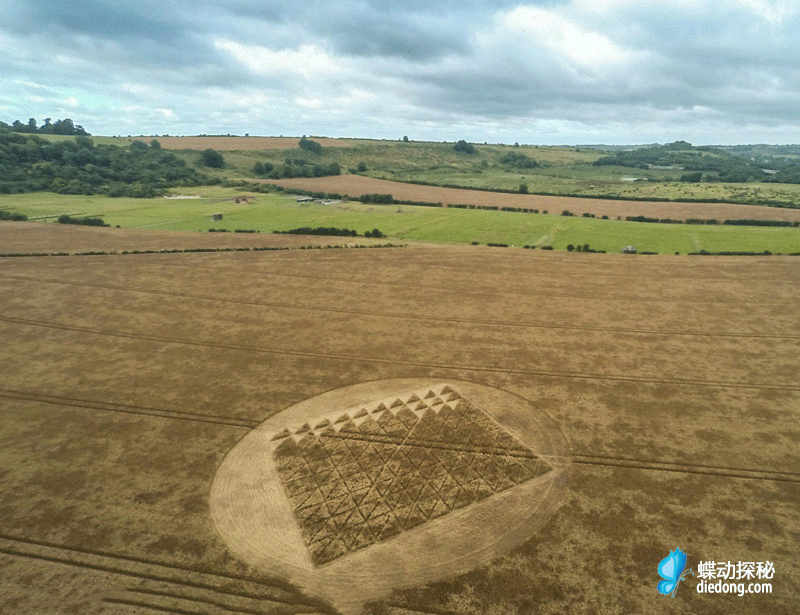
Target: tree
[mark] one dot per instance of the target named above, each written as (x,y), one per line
(463,146)
(523,188)
(212,158)
(155,144)
(405,139)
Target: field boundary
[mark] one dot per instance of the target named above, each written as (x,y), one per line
(191,250)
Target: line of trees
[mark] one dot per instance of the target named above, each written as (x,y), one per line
(59,127)
(738,222)
(330,231)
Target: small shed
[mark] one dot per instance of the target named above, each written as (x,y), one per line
(216,216)
(629,250)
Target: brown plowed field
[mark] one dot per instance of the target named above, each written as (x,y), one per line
(356,185)
(229,144)
(126,380)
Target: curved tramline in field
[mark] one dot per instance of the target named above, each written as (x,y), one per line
(356,185)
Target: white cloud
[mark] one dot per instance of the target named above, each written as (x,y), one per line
(309,102)
(308,61)
(562,37)
(773,11)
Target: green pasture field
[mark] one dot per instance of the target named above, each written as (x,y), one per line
(280,212)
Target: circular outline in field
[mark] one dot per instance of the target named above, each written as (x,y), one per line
(251,510)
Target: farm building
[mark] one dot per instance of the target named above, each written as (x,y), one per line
(629,250)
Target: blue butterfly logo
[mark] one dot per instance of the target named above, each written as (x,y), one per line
(671,569)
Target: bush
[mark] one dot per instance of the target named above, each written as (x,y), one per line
(381,199)
(212,158)
(519,161)
(65,219)
(8,215)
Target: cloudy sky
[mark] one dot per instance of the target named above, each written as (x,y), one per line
(545,72)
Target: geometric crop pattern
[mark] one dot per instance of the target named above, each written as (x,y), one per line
(362,477)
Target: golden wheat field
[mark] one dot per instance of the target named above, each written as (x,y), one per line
(169,425)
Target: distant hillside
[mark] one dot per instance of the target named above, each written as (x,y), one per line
(735,164)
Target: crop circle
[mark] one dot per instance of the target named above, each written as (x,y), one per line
(389,484)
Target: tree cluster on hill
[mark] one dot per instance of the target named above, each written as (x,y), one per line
(59,127)
(310,146)
(463,146)
(296,167)
(29,163)
(519,161)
